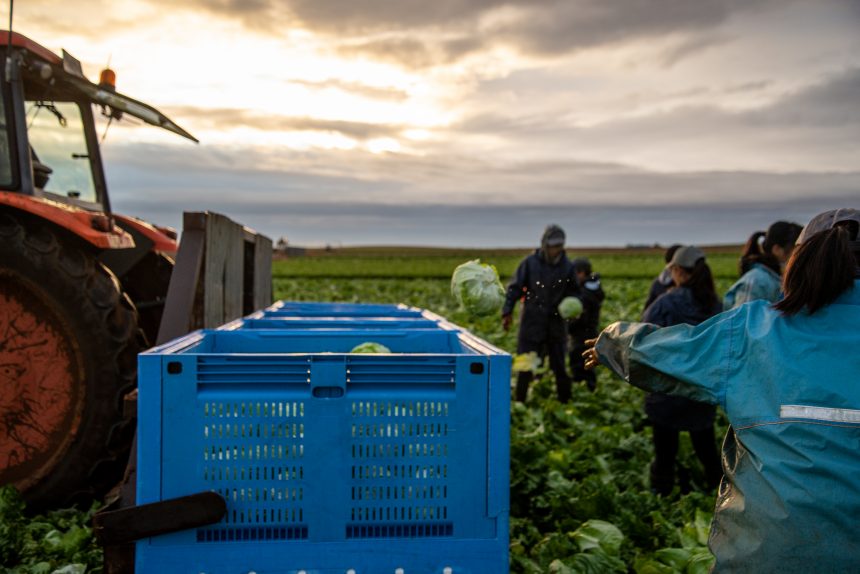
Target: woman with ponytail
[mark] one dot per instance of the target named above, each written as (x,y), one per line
(788,377)
(693,299)
(761,263)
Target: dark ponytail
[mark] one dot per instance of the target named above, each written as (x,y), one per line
(820,270)
(752,253)
(701,283)
(781,233)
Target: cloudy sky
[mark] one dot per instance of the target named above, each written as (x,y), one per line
(477,122)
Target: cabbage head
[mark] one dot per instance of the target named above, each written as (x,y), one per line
(370,347)
(477,288)
(570,308)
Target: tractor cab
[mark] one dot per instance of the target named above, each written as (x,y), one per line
(61,148)
(48,142)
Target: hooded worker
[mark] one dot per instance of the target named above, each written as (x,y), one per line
(541,281)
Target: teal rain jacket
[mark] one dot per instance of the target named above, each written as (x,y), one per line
(790,497)
(760,282)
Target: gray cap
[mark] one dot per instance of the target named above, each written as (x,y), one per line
(828,220)
(687,256)
(553,236)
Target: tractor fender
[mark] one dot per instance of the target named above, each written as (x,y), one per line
(163,238)
(95,228)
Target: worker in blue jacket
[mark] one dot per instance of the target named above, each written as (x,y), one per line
(788,377)
(764,256)
(541,281)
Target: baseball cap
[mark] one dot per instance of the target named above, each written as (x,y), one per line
(687,256)
(828,220)
(553,236)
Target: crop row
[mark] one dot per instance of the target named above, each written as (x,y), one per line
(609,265)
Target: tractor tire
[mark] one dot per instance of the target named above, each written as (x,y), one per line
(68,356)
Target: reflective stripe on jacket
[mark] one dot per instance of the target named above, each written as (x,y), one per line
(790,386)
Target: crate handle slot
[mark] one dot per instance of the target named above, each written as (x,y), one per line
(328,392)
(328,378)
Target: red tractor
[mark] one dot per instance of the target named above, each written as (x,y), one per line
(81,288)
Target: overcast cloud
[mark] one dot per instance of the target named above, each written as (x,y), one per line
(476,122)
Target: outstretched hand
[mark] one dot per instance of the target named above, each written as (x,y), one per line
(590,354)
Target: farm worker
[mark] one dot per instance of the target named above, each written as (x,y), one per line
(786,375)
(663,282)
(692,301)
(542,280)
(761,264)
(584,327)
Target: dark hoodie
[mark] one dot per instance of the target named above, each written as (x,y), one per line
(675,307)
(542,285)
(678,306)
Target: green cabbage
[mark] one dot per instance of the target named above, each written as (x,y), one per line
(570,308)
(370,347)
(477,288)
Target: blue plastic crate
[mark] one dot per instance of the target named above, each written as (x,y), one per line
(329,316)
(329,462)
(289,309)
(315,323)
(294,341)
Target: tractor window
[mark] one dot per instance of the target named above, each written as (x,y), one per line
(58,148)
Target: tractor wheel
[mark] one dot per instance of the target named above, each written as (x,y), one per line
(68,355)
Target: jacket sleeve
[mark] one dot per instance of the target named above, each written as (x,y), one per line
(573,288)
(515,287)
(683,360)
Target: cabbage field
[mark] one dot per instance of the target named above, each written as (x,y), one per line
(580,501)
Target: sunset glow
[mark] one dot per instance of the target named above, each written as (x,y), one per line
(517,104)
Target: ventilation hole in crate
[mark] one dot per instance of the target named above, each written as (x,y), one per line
(399,471)
(411,530)
(252,534)
(252,456)
(271,409)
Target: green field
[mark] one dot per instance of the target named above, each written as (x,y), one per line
(439,263)
(580,501)
(572,465)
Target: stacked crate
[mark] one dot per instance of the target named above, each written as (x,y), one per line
(330,462)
